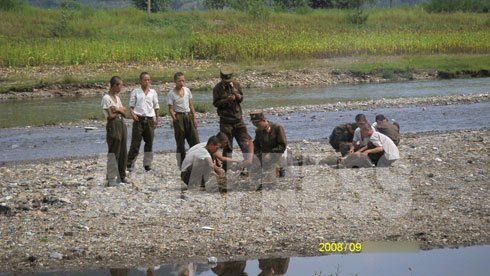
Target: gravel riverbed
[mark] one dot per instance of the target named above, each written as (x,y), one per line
(58,214)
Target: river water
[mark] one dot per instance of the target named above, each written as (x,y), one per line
(55,110)
(55,142)
(462,261)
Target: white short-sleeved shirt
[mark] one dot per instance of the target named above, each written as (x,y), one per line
(107,102)
(381,140)
(144,105)
(197,152)
(357,137)
(180,104)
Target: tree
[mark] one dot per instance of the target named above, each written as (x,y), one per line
(291,3)
(339,4)
(216,4)
(156,5)
(7,5)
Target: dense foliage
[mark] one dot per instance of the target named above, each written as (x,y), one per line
(459,5)
(8,5)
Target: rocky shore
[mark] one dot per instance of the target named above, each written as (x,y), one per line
(58,214)
(248,78)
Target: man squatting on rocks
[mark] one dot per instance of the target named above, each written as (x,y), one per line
(143,103)
(380,148)
(358,141)
(183,115)
(117,133)
(391,130)
(342,135)
(269,143)
(198,163)
(227,96)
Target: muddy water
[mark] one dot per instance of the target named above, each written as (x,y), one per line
(463,261)
(51,111)
(54,142)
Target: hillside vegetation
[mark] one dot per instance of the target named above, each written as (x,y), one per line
(82,35)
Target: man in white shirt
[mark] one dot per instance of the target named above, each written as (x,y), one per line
(183,114)
(358,141)
(143,103)
(380,149)
(198,163)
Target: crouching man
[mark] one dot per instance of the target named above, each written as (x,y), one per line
(198,163)
(380,148)
(269,143)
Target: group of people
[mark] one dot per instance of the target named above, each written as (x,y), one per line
(360,140)
(196,164)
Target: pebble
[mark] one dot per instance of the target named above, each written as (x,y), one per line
(55,255)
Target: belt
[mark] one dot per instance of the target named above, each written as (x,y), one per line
(182,113)
(118,116)
(145,118)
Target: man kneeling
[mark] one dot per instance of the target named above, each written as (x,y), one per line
(381,149)
(198,163)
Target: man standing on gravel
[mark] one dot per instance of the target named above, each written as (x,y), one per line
(143,103)
(227,96)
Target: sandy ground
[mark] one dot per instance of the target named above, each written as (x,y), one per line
(58,214)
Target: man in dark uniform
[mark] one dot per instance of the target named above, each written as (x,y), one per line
(227,96)
(342,134)
(389,129)
(270,141)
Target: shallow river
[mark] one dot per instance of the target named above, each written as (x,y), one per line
(54,142)
(51,111)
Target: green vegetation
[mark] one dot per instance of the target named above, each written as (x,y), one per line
(458,5)
(80,35)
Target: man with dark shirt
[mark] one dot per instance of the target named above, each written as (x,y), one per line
(227,96)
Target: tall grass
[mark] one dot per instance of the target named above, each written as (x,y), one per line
(128,35)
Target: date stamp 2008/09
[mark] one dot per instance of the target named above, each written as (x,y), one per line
(340,247)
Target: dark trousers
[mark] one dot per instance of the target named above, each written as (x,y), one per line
(197,174)
(238,131)
(374,156)
(184,129)
(143,128)
(117,135)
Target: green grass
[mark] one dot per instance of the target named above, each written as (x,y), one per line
(86,36)
(89,46)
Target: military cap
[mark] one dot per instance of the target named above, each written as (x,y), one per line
(226,73)
(257,116)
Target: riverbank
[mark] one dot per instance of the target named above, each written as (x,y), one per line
(60,215)
(91,80)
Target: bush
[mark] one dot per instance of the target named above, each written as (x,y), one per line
(10,5)
(482,6)
(357,17)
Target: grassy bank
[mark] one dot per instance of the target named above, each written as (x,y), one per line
(87,36)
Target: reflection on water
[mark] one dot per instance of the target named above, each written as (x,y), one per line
(55,110)
(462,261)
